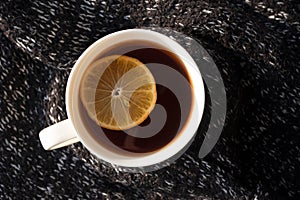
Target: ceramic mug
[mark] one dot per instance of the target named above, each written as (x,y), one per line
(73,129)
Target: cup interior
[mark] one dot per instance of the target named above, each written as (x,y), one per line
(102,148)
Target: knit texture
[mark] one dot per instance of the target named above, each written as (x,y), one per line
(255,45)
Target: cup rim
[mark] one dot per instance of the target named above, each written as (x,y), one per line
(186,134)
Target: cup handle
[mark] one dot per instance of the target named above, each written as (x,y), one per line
(58,135)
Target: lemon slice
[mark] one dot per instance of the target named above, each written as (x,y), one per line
(118,92)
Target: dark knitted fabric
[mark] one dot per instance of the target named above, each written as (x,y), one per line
(255,45)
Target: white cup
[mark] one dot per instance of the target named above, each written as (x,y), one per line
(73,129)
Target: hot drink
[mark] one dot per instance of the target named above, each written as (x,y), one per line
(177,112)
